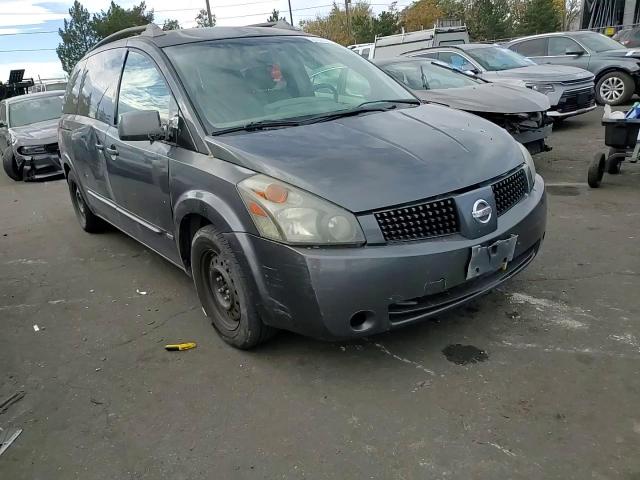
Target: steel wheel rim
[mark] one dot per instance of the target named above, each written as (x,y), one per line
(223,290)
(612,89)
(79,201)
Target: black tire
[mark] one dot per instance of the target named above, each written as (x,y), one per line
(615,88)
(88,221)
(596,170)
(614,164)
(223,291)
(11,167)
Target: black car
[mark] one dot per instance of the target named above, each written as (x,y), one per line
(326,201)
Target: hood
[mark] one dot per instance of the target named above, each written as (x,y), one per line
(380,159)
(488,97)
(632,53)
(542,73)
(40,133)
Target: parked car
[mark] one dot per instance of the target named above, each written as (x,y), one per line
(616,68)
(570,90)
(628,37)
(48,85)
(519,110)
(362,49)
(442,34)
(28,135)
(337,206)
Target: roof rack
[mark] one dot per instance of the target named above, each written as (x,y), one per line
(278,24)
(149,30)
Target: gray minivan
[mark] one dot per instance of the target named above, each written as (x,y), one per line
(298,196)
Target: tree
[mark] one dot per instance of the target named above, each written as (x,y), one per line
(202,20)
(540,16)
(171,25)
(77,35)
(420,14)
(275,16)
(571,13)
(116,18)
(489,20)
(387,22)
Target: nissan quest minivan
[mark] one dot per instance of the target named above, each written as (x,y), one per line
(326,201)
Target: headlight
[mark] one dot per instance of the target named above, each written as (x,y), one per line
(541,87)
(32,150)
(530,167)
(290,215)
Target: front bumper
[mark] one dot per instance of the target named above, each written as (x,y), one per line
(321,291)
(534,140)
(559,115)
(39,167)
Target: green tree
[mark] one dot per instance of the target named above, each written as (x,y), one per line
(540,16)
(489,20)
(171,25)
(77,35)
(116,18)
(275,16)
(420,14)
(202,20)
(387,22)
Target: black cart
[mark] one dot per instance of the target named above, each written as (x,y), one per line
(621,136)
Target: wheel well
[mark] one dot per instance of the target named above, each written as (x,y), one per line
(609,70)
(189,225)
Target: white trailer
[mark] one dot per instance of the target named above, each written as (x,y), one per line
(407,42)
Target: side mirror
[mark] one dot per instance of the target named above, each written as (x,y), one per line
(574,51)
(142,125)
(471,71)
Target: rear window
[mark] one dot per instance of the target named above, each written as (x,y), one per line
(73,89)
(100,85)
(531,48)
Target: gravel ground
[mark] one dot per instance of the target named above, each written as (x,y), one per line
(548,386)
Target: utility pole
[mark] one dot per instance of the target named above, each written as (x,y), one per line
(346,9)
(290,14)
(209,14)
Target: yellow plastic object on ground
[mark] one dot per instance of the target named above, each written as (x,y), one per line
(180,346)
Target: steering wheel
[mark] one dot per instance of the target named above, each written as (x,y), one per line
(327,86)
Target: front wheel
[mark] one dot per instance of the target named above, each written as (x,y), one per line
(223,290)
(11,167)
(614,164)
(615,88)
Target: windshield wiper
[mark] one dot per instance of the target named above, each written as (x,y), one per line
(364,107)
(259,125)
(410,101)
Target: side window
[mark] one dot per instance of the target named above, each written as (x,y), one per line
(531,48)
(560,45)
(365,52)
(329,76)
(73,89)
(143,87)
(100,85)
(3,113)
(356,85)
(455,60)
(433,55)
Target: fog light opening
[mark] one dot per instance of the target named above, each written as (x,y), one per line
(361,320)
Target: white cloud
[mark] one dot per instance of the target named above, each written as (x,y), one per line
(15,13)
(33,69)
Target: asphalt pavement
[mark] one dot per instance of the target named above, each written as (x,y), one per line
(538,380)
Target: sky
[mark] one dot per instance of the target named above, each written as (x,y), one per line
(28,17)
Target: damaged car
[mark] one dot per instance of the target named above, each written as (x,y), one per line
(520,111)
(29,135)
(335,206)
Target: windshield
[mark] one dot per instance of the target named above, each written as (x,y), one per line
(237,81)
(596,42)
(35,110)
(498,58)
(425,75)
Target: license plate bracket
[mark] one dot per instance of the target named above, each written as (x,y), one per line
(491,257)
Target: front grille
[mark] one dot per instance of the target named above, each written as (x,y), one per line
(510,190)
(576,100)
(51,147)
(426,220)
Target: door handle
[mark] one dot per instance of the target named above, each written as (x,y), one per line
(112,151)
(100,146)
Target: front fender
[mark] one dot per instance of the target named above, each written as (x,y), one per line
(225,214)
